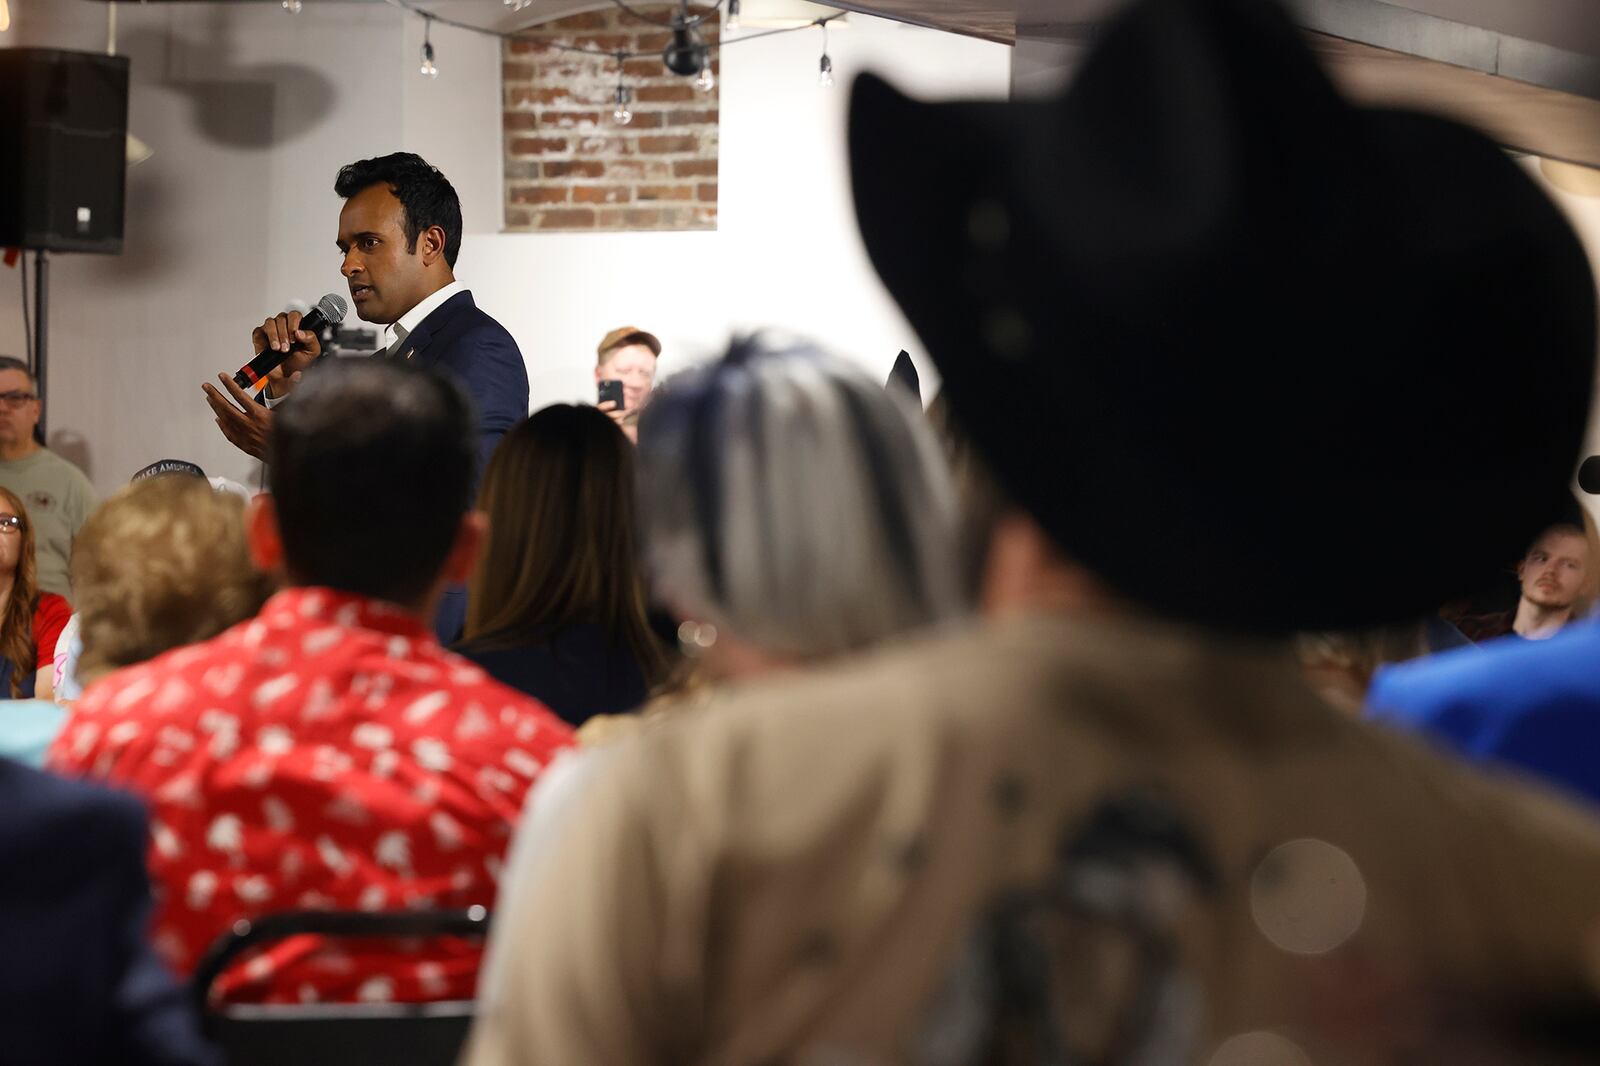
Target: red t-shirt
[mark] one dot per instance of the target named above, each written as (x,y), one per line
(49,619)
(329,754)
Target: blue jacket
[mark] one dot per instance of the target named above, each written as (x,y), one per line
(1529,703)
(460,339)
(79,984)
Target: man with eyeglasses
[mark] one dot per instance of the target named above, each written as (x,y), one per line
(57,495)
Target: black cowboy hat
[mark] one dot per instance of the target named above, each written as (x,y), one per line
(1261,358)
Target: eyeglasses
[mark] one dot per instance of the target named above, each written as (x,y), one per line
(17,399)
(10,523)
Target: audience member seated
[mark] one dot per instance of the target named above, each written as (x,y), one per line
(1112,823)
(1556,583)
(1532,703)
(160,565)
(167,568)
(556,609)
(1555,579)
(30,620)
(58,496)
(628,355)
(328,753)
(79,983)
(792,511)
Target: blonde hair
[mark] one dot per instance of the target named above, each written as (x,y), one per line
(161,564)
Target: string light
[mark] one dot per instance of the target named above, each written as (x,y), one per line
(825,65)
(730,26)
(292,6)
(621,115)
(428,69)
(707,80)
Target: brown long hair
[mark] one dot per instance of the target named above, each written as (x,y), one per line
(16,624)
(559,495)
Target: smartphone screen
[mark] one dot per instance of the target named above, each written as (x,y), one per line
(611,389)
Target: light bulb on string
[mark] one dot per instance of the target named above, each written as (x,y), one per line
(732,24)
(824,68)
(621,115)
(428,69)
(707,80)
(292,6)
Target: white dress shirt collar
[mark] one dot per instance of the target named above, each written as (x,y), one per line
(395,335)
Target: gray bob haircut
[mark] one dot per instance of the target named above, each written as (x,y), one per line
(788,498)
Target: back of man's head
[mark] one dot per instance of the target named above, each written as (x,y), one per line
(370,469)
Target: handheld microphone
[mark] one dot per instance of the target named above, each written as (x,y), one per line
(1589,475)
(330,310)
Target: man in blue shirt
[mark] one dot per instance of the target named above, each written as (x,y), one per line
(1531,703)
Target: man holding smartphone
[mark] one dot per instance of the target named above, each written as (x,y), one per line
(625,374)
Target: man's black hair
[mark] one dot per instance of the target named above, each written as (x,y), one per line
(11,362)
(371,469)
(424,193)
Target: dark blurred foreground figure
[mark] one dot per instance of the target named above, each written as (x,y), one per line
(556,608)
(79,983)
(1114,824)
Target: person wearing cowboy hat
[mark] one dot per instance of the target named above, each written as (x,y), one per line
(1112,823)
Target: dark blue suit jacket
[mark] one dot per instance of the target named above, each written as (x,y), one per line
(78,982)
(464,341)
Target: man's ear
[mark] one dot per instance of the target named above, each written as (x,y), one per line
(430,244)
(261,533)
(600,372)
(471,537)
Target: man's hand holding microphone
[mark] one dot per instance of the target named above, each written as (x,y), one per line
(285,345)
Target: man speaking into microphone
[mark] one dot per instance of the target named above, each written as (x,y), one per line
(399,233)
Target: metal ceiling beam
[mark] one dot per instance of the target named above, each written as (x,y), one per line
(1426,36)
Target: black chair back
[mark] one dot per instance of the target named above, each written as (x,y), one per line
(337,1034)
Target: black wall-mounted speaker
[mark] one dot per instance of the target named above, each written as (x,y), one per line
(63,149)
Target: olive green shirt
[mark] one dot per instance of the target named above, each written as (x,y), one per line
(58,498)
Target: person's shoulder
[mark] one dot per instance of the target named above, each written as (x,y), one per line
(53,608)
(61,466)
(125,691)
(1498,678)
(480,328)
(44,810)
(860,717)
(511,712)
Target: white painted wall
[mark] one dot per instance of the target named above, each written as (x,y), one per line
(250,112)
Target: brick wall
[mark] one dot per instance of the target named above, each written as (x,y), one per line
(569,166)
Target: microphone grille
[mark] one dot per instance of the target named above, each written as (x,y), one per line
(333,307)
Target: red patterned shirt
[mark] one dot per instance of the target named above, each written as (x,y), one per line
(325,754)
